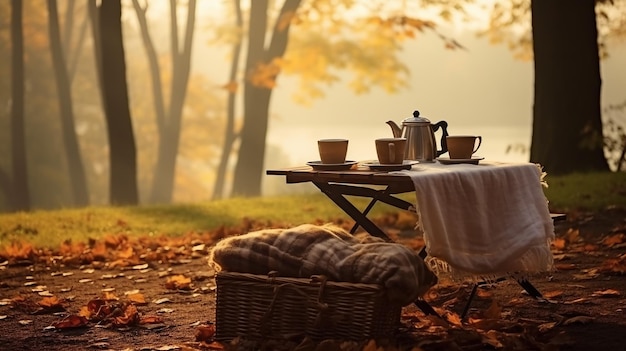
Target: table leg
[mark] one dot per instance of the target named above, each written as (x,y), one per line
(335,193)
(352,211)
(365,212)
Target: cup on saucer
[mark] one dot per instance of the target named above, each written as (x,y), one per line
(462,146)
(333,151)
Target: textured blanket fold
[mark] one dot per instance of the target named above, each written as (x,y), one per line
(485,220)
(327,250)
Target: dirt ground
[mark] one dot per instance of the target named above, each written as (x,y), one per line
(161,296)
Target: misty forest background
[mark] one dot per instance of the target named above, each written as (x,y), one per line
(99,104)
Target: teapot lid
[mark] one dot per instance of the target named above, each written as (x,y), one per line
(416,119)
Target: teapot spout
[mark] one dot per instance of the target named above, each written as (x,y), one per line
(397,131)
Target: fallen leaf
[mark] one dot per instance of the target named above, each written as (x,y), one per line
(552,294)
(494,311)
(25,321)
(565,266)
(71,321)
(205,332)
(578,320)
(613,240)
(178,282)
(140,266)
(137,299)
(546,327)
(490,338)
(39,288)
(130,317)
(579,300)
(150,320)
(50,302)
(107,295)
(558,244)
(606,293)
(162,300)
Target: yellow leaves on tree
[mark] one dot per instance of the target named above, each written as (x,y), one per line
(264,74)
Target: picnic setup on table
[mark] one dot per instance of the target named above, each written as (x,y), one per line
(481,220)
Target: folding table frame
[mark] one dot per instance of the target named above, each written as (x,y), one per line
(378,186)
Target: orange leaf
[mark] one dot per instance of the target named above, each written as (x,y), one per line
(19,250)
(178,282)
(565,266)
(606,293)
(85,312)
(130,317)
(150,320)
(559,243)
(109,296)
(552,294)
(494,311)
(205,332)
(98,308)
(71,321)
(126,253)
(50,302)
(454,318)
(613,240)
(138,299)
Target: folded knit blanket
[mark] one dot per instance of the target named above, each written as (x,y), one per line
(327,250)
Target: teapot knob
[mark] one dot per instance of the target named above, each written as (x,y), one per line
(416,113)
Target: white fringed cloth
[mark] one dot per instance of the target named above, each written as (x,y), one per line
(328,250)
(484,221)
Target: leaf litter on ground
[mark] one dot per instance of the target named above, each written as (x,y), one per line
(120,256)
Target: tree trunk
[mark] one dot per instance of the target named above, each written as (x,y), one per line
(94,20)
(122,149)
(168,125)
(230,134)
(78,179)
(567,125)
(20,198)
(249,168)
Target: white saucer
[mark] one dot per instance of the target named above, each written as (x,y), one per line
(453,161)
(375,165)
(318,165)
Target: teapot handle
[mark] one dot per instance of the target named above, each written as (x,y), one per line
(443,142)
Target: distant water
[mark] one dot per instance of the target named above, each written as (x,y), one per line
(297,145)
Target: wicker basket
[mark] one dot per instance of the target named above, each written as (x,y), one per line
(260,307)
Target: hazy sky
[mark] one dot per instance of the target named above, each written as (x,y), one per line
(483,86)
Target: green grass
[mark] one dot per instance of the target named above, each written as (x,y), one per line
(50,228)
(593,192)
(589,191)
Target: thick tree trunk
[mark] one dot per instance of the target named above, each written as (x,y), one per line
(78,178)
(567,125)
(20,197)
(122,149)
(249,168)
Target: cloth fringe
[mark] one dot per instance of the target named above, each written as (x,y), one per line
(529,259)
